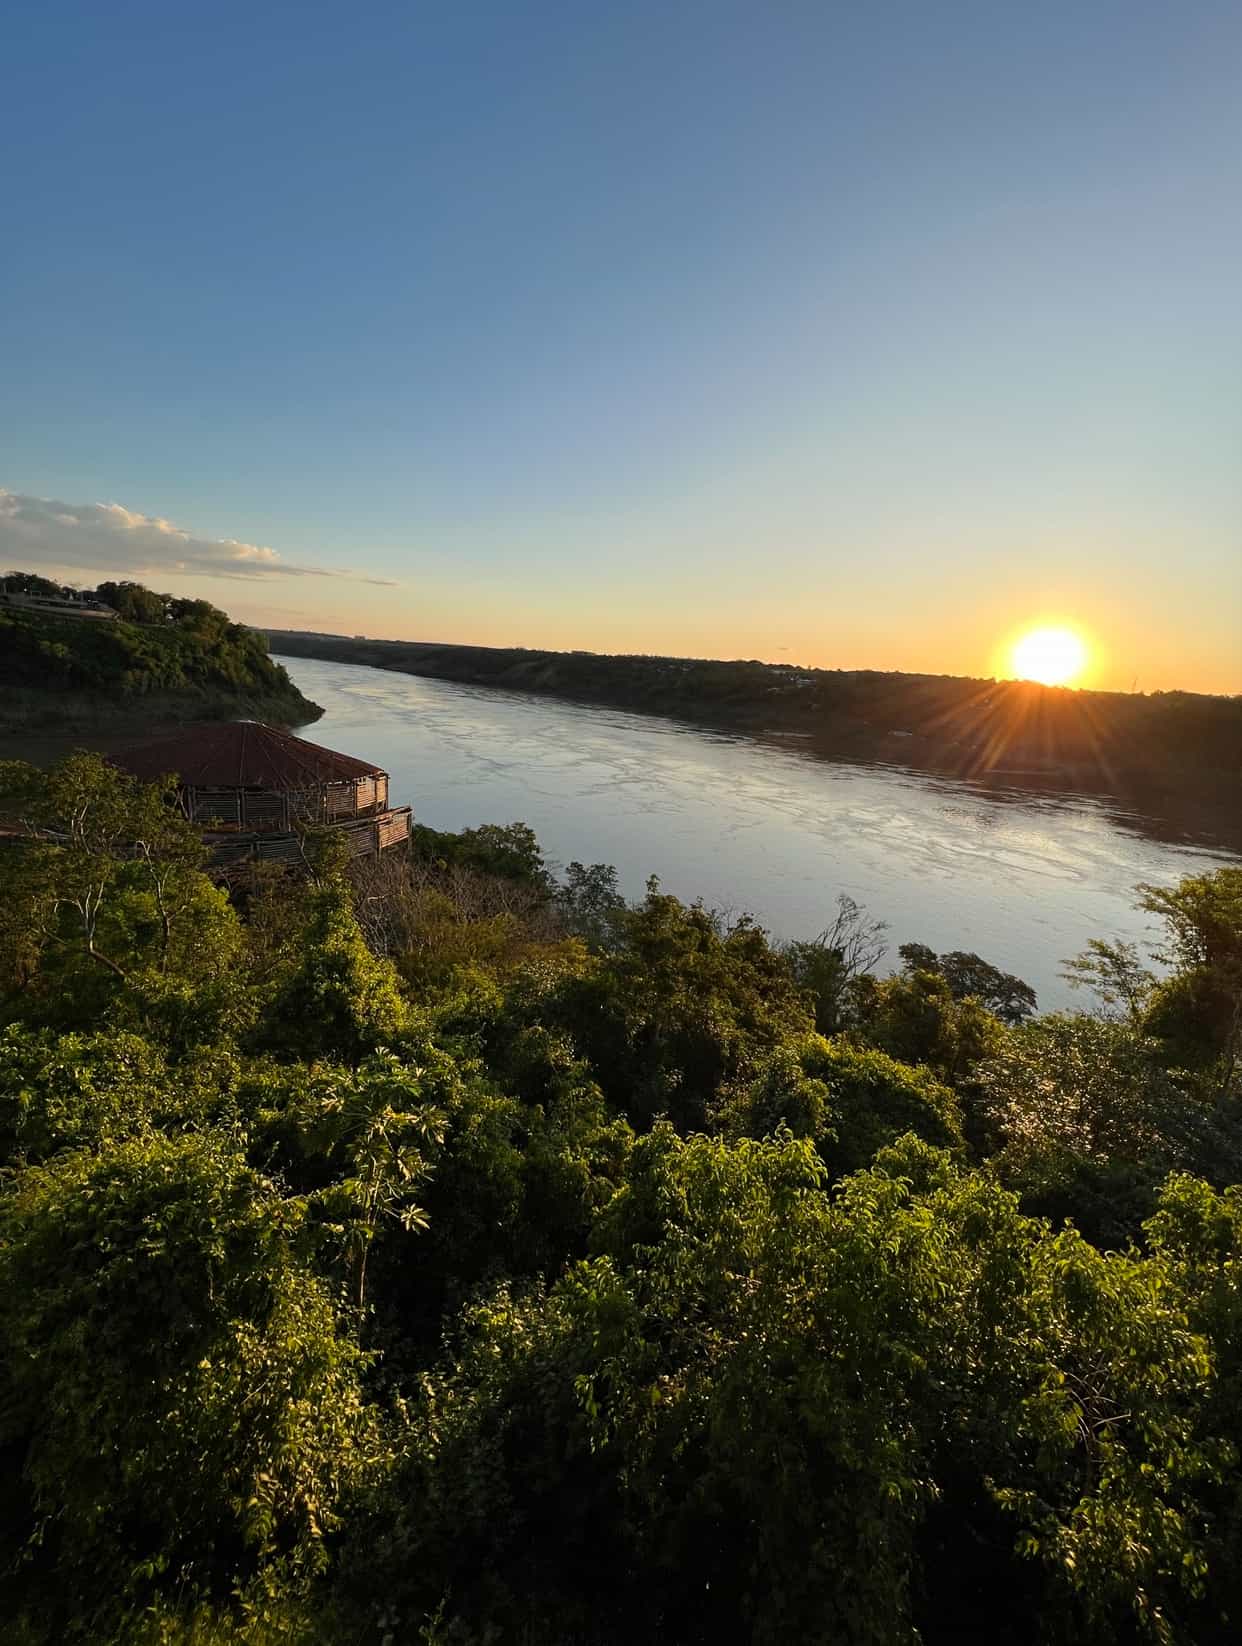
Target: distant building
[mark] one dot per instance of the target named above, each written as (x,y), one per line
(251,787)
(70,604)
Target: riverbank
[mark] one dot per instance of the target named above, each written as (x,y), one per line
(1174,756)
(1023,877)
(67,682)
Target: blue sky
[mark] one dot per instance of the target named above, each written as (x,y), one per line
(848,335)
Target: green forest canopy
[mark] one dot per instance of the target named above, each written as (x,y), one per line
(444,1251)
(161,649)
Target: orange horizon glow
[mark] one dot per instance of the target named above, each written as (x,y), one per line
(1128,649)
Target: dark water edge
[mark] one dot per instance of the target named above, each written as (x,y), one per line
(762,824)
(1169,764)
(44,727)
(1162,811)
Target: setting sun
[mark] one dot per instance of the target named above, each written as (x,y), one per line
(1054,657)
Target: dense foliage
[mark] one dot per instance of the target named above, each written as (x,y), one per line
(182,655)
(443,1251)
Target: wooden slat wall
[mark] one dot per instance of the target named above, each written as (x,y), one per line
(363,837)
(393,828)
(265,811)
(216,805)
(306,805)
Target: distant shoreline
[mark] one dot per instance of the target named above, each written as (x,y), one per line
(1174,757)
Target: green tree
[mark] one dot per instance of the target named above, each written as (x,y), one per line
(830,966)
(133,602)
(374,1127)
(852,1101)
(915,1018)
(1198,1011)
(972,978)
(507,850)
(32,583)
(340,1001)
(1116,975)
(1088,1120)
(907,1411)
(185,652)
(1197,1233)
(97,1090)
(591,904)
(106,908)
(1195,1010)
(182,1407)
(683,1006)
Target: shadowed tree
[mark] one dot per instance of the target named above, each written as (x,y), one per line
(340,1001)
(828,966)
(971,977)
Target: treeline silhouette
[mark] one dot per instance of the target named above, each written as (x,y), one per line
(1111,741)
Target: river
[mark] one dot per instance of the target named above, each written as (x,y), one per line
(1023,879)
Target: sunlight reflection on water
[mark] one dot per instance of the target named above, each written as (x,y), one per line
(1023,878)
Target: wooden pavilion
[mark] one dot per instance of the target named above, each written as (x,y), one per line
(251,788)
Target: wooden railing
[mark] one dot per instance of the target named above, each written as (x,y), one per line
(365,837)
(255,811)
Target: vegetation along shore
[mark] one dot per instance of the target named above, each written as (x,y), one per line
(426,1249)
(125,659)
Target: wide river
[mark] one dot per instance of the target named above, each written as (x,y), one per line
(1023,879)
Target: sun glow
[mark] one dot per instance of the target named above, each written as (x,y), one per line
(1054,657)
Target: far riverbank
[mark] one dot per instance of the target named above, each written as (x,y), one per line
(1025,880)
(1174,758)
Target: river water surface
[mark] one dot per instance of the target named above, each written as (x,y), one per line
(1023,879)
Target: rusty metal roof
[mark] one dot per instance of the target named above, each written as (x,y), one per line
(242,754)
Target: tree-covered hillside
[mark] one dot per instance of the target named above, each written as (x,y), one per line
(441,1251)
(163,658)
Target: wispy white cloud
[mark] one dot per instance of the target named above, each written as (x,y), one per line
(111,539)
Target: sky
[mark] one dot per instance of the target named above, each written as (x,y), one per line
(855,336)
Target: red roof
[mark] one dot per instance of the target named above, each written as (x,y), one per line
(242,754)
